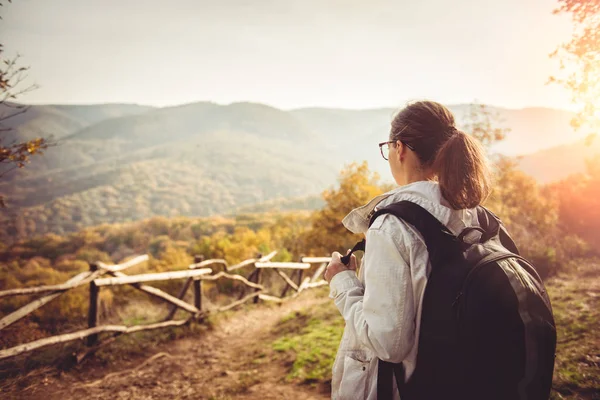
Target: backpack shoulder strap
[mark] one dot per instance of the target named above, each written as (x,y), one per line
(441,245)
(438,239)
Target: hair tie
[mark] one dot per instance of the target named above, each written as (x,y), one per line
(452,131)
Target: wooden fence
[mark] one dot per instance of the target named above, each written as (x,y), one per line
(101,275)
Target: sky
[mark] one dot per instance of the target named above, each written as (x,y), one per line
(288,53)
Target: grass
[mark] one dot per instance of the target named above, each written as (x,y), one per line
(310,339)
(575,299)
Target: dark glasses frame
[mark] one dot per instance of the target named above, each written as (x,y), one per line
(390,142)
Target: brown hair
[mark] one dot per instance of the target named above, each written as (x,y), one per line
(457,159)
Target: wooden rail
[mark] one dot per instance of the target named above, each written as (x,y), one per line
(315,260)
(161,276)
(287,279)
(234,277)
(120,267)
(228,268)
(69,337)
(194,276)
(177,302)
(63,287)
(286,265)
(34,305)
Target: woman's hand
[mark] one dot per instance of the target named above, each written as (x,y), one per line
(335,265)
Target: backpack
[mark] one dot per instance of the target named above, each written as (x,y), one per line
(487,331)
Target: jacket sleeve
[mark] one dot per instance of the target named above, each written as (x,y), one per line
(382,313)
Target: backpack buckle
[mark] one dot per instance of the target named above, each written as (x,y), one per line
(466,244)
(360,246)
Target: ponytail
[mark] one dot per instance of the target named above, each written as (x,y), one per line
(462,170)
(457,159)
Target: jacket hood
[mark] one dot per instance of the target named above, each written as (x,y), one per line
(427,194)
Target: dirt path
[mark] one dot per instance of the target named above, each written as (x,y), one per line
(232,361)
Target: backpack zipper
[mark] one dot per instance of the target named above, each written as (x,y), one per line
(457,299)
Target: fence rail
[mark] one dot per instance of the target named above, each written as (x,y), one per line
(161,276)
(194,276)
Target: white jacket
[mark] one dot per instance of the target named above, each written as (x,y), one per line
(382,306)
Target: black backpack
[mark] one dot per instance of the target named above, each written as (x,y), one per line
(487,330)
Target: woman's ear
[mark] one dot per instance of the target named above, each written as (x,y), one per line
(401,150)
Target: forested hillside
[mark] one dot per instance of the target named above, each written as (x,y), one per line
(116,163)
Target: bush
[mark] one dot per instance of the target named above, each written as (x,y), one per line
(544,259)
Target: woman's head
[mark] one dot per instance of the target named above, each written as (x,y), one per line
(427,143)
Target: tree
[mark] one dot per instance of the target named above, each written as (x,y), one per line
(482,123)
(579,197)
(14,153)
(582,57)
(530,213)
(357,185)
(518,199)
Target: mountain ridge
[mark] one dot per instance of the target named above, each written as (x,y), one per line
(203,158)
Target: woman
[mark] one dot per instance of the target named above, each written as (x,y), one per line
(444,171)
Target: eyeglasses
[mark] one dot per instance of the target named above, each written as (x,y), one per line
(385,153)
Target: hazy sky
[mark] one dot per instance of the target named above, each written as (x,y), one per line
(288,53)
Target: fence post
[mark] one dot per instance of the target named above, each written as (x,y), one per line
(198,286)
(257,280)
(93,308)
(300,271)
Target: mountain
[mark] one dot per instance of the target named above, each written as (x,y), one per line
(59,120)
(350,135)
(559,162)
(533,129)
(529,129)
(115,163)
(55,122)
(197,159)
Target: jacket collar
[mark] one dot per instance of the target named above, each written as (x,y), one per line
(424,193)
